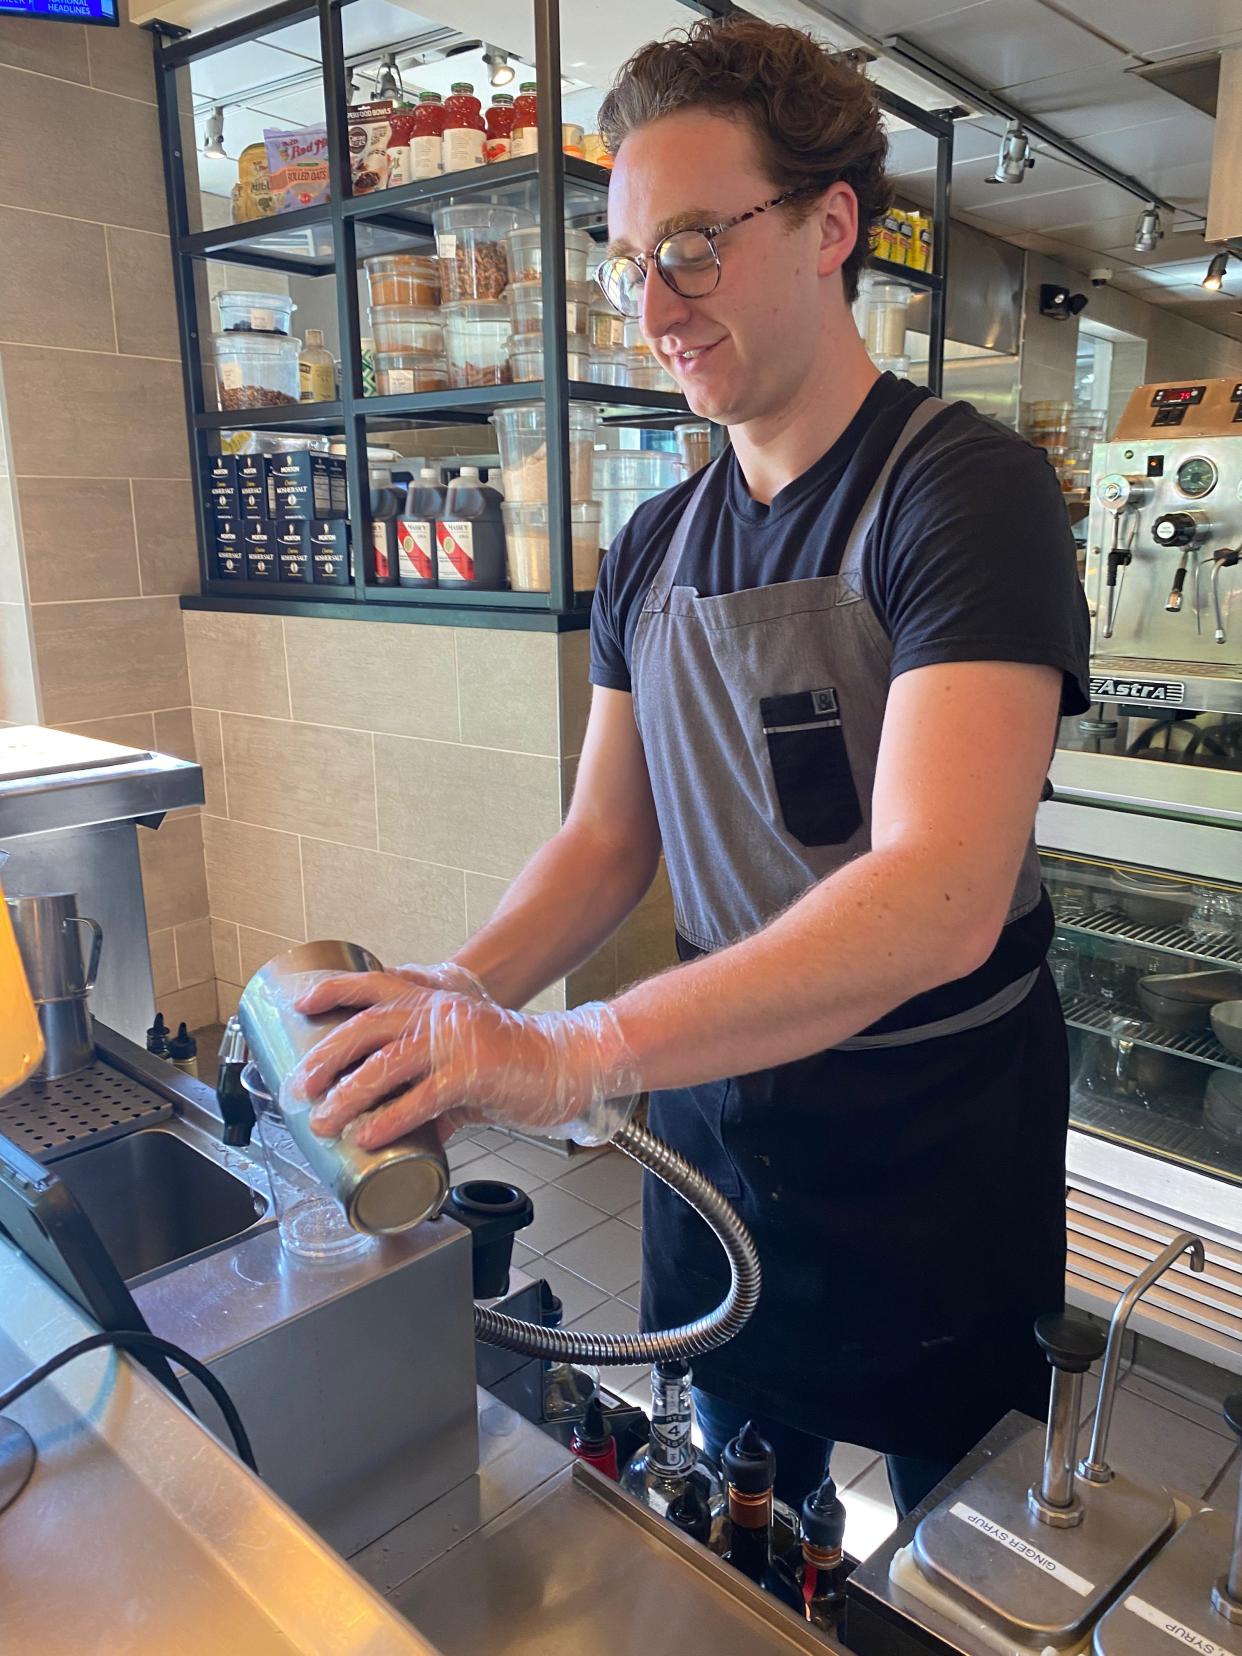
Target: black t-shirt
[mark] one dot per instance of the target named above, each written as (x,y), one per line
(973,561)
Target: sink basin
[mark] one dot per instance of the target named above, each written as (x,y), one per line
(156,1202)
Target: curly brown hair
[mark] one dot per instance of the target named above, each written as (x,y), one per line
(813,112)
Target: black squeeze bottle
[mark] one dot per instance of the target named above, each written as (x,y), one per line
(157,1037)
(750,1471)
(823,1561)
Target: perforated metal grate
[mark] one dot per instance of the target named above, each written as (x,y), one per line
(47,1119)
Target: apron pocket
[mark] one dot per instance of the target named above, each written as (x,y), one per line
(811,767)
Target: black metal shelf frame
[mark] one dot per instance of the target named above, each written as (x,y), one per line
(330,240)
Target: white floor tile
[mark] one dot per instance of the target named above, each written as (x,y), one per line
(524,1258)
(1204,1414)
(870,1516)
(612,1182)
(609,1255)
(492,1138)
(545,1164)
(631,1295)
(612,1317)
(633,1216)
(576,1296)
(462,1152)
(634,1384)
(558,1216)
(1156,1446)
(1224,1492)
(850,1463)
(489,1166)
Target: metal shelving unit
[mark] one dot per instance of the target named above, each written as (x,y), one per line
(1103,1017)
(331,240)
(1172,939)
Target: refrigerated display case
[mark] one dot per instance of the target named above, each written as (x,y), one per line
(1143,862)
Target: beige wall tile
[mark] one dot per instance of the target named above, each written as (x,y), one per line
(210,750)
(130,730)
(79,541)
(195,1007)
(507,685)
(256,948)
(18,701)
(53,281)
(174,732)
(173,882)
(254,876)
(121,60)
(116,416)
(465,807)
(140,268)
(194,958)
(163,962)
(569,779)
(575,689)
(595,979)
(167,549)
(121,655)
(645,942)
(237,662)
(401,910)
(116,167)
(304,779)
(12,563)
(225,950)
(227,997)
(48,48)
(398,679)
(483,893)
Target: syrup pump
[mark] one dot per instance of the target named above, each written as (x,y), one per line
(1183,1595)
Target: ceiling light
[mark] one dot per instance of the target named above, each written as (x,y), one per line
(498,62)
(353,92)
(389,84)
(1015,158)
(1216,271)
(1149,230)
(213,137)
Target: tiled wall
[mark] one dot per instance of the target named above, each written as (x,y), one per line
(99,461)
(384,783)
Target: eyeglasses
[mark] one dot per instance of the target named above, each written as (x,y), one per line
(688,261)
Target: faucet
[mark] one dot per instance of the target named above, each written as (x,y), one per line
(234,1101)
(1094,1468)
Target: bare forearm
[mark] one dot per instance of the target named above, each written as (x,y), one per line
(567,901)
(845,954)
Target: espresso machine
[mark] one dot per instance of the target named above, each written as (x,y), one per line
(1164,546)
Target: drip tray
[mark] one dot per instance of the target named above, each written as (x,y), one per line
(49,1119)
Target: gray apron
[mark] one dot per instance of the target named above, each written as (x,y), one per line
(760,714)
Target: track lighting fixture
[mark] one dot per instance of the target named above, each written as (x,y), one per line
(1149,230)
(1215,276)
(389,84)
(213,136)
(1015,159)
(502,71)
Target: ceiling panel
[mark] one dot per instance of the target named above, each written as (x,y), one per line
(1144,26)
(236,70)
(1006,41)
(1230,323)
(973,188)
(1098,99)
(1157,145)
(1174,245)
(1191,48)
(883,17)
(1051,213)
(910,151)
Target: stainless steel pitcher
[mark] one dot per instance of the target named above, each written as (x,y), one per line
(49,940)
(382,1191)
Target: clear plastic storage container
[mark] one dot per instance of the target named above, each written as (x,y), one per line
(471,244)
(609,365)
(694,445)
(403,279)
(625,478)
(522,434)
(882,315)
(644,373)
(406,328)
(526,255)
(526,358)
(528,545)
(398,372)
(476,334)
(605,326)
(269,313)
(526,307)
(256,370)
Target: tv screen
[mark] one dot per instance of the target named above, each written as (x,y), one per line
(64,11)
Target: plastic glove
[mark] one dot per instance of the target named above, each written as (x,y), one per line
(370,988)
(437,1056)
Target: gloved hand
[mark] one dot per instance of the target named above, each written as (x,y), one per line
(433,1055)
(368,988)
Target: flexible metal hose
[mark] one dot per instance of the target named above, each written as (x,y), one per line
(621,1350)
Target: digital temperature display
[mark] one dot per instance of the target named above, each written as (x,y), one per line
(1173,394)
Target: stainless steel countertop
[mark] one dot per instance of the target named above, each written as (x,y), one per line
(51,780)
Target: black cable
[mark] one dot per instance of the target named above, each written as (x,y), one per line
(133,1339)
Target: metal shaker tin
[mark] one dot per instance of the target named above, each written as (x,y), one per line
(382,1191)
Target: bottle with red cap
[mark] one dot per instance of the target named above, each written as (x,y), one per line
(593,1442)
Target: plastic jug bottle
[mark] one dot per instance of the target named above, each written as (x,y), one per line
(470,536)
(426,137)
(464,128)
(416,530)
(498,143)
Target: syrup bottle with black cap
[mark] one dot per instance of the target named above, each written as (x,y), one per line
(750,1471)
(823,1560)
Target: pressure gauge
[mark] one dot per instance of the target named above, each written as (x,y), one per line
(1196,477)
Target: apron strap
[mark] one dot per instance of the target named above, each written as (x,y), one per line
(662,585)
(851,559)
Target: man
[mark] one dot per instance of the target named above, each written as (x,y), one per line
(828,672)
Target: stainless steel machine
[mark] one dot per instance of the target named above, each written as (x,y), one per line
(1163,548)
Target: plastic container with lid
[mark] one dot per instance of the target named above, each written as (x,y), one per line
(526,255)
(522,435)
(624,479)
(644,373)
(526,357)
(525,117)
(609,365)
(397,372)
(605,327)
(694,445)
(526,307)
(407,328)
(471,246)
(256,370)
(426,137)
(498,140)
(461,144)
(403,279)
(529,545)
(884,304)
(269,313)
(470,536)
(476,334)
